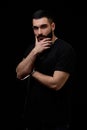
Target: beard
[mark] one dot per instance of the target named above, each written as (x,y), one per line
(41,36)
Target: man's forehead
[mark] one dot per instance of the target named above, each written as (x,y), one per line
(40,21)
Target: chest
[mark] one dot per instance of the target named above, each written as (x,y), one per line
(46,62)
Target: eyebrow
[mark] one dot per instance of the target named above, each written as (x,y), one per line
(41,26)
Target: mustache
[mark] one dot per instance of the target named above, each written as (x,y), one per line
(41,37)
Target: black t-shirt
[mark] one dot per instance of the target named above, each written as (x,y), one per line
(45,104)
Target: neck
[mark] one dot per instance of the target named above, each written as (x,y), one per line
(54,39)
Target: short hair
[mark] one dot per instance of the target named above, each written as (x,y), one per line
(43,13)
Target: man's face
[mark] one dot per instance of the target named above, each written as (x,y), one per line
(42,28)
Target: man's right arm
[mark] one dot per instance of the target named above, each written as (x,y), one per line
(24,68)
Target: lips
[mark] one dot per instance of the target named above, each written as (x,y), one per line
(41,38)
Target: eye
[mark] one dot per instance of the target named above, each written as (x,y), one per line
(35,28)
(43,26)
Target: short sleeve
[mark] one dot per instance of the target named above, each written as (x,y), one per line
(66,61)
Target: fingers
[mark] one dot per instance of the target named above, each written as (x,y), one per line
(36,39)
(43,44)
(47,39)
(43,40)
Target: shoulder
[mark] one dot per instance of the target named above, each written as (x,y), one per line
(65,46)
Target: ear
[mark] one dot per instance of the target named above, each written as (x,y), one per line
(53,26)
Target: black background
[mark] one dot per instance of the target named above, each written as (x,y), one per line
(16,34)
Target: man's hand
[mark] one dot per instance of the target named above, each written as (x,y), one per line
(42,45)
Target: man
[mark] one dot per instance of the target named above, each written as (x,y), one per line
(49,64)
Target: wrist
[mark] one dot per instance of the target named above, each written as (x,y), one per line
(33,72)
(35,51)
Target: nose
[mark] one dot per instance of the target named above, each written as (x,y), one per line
(39,31)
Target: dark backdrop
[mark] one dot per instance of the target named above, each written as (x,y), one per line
(16,34)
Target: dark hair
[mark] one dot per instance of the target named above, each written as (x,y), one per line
(42,13)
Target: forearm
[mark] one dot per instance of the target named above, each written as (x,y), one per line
(45,79)
(56,81)
(26,65)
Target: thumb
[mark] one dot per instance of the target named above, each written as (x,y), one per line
(36,39)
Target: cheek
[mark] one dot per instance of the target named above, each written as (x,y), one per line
(46,31)
(35,33)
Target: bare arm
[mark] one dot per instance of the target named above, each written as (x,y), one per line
(24,68)
(55,82)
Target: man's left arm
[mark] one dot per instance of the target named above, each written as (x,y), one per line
(55,82)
